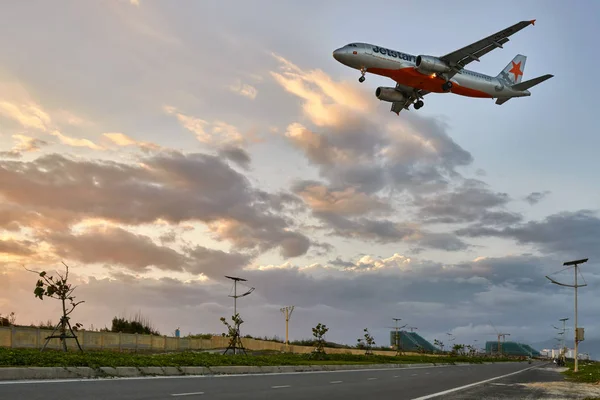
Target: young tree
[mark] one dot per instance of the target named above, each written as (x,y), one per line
(367,343)
(471,350)
(319,332)
(439,344)
(235,341)
(458,349)
(60,289)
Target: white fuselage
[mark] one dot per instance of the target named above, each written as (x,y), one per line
(401,67)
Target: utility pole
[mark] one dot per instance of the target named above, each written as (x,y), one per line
(564,321)
(562,340)
(287,311)
(578,336)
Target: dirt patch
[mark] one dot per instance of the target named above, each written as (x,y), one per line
(565,390)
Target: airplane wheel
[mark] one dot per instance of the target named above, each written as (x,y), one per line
(447,86)
(361,79)
(419,104)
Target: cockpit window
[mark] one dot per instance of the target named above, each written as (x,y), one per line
(352,45)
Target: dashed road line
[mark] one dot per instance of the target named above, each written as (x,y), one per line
(280,386)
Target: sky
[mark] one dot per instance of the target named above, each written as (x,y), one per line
(155,147)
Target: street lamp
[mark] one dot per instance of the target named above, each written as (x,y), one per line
(578,335)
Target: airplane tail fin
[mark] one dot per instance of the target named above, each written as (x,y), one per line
(524,86)
(513,72)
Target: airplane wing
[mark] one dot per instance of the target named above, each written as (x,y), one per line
(411,95)
(459,58)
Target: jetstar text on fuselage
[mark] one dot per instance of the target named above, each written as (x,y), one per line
(395,54)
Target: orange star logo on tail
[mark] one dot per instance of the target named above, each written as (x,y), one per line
(516,69)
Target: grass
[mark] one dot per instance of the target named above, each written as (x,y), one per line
(95,359)
(588,372)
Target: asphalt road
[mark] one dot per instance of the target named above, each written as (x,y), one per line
(403,383)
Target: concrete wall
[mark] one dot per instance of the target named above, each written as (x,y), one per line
(34,338)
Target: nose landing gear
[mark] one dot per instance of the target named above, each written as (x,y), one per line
(363,71)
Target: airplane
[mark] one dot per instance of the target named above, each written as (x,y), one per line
(416,76)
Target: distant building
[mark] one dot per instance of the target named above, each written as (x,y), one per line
(570,353)
(411,341)
(511,349)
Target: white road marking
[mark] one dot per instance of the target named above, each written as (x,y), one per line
(187,394)
(396,376)
(430,396)
(414,374)
(336,382)
(280,386)
(371,379)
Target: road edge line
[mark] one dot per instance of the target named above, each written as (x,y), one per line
(431,396)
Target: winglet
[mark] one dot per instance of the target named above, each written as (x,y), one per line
(532,22)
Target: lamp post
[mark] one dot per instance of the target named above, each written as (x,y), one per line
(575,264)
(236,338)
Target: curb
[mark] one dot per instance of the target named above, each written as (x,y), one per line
(36,373)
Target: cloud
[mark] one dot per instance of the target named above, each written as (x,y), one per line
(29,115)
(411,154)
(16,247)
(24,144)
(244,89)
(471,201)
(170,186)
(348,201)
(120,139)
(567,233)
(10,154)
(27,144)
(116,247)
(217,133)
(237,155)
(535,197)
(386,231)
(113,245)
(369,165)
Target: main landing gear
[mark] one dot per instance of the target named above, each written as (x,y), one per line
(363,71)
(419,104)
(447,86)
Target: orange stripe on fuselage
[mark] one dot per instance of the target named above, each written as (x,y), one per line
(413,78)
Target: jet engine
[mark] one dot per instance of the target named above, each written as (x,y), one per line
(429,64)
(389,94)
